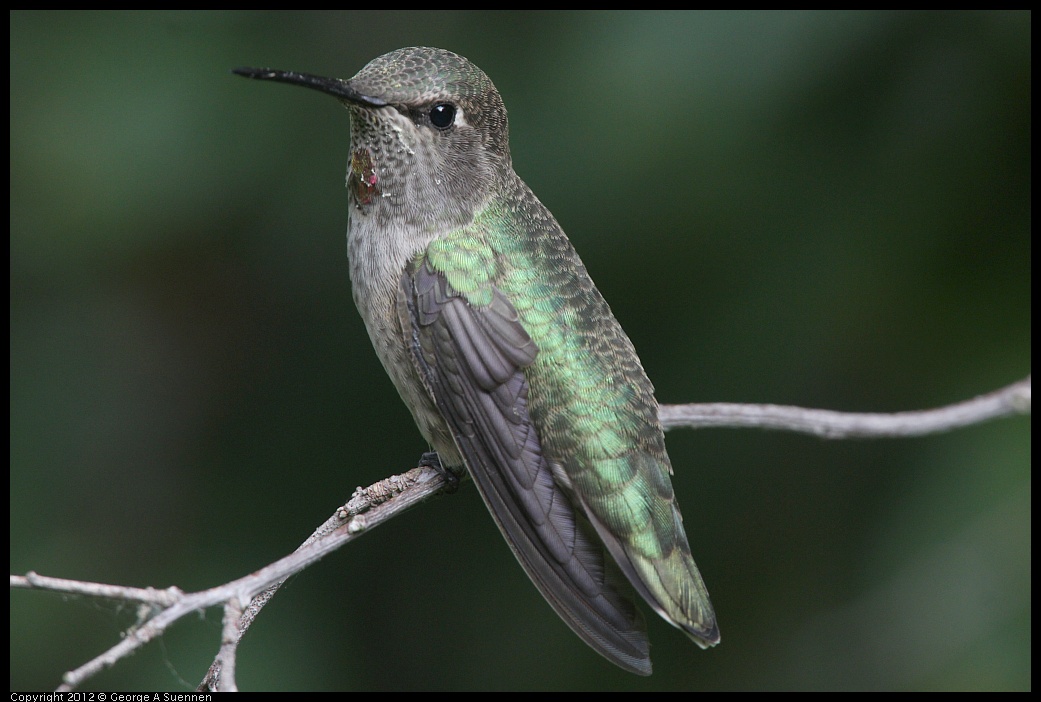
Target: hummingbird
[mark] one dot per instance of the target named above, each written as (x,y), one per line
(507,355)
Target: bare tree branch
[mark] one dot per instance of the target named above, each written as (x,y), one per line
(1010,400)
(405,490)
(147,595)
(369,507)
(242,598)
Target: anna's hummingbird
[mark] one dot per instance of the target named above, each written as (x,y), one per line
(506,353)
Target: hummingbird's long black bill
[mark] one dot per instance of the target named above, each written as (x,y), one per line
(336,87)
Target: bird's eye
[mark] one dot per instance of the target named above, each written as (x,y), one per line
(442,115)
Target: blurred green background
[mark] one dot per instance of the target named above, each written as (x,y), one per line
(823,209)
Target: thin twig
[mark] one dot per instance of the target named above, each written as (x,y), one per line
(146,595)
(1010,400)
(406,490)
(241,596)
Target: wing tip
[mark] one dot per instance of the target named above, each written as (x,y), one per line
(703,638)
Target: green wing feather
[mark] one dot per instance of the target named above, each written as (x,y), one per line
(557,423)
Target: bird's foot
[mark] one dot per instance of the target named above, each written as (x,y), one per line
(430,459)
